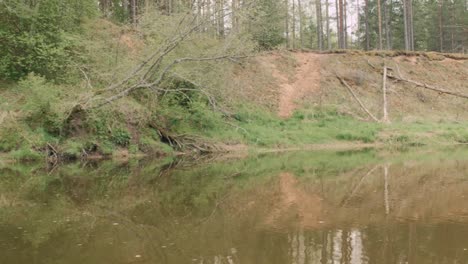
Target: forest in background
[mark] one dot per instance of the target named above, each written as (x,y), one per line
(79,77)
(324,24)
(41,35)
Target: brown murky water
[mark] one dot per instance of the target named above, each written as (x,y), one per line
(359,207)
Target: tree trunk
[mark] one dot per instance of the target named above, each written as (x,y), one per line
(408,20)
(125,6)
(405,21)
(338,30)
(386,25)
(234,15)
(411,29)
(299,10)
(358,22)
(367,25)
(340,24)
(345,29)
(328,25)
(379,14)
(441,24)
(207,7)
(294,24)
(318,7)
(133,10)
(288,44)
(384,92)
(452,39)
(220,18)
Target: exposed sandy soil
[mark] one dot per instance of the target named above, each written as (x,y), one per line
(302,79)
(306,81)
(293,200)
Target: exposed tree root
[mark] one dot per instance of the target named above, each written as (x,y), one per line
(185,142)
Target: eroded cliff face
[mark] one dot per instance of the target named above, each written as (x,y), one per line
(304,79)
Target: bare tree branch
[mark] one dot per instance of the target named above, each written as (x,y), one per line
(357,98)
(151,77)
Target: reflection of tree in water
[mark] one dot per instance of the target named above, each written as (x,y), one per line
(406,212)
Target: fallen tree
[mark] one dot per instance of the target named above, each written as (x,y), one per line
(419,84)
(361,104)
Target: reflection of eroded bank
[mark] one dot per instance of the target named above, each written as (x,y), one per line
(278,210)
(427,192)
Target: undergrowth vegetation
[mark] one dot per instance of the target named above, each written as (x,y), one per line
(196,106)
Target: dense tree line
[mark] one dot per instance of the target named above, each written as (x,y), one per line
(37,35)
(427,25)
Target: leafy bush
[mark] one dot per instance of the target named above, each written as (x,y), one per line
(10,139)
(121,137)
(41,104)
(37,36)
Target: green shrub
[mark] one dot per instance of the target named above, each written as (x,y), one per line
(36,36)
(298,115)
(121,137)
(42,102)
(10,138)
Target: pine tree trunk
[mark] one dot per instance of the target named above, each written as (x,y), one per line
(341,24)
(367,25)
(390,34)
(405,21)
(386,25)
(220,18)
(345,30)
(293,24)
(358,22)
(133,10)
(125,9)
(338,29)
(288,44)
(234,15)
(207,7)
(318,7)
(299,10)
(328,25)
(441,32)
(453,28)
(379,14)
(411,29)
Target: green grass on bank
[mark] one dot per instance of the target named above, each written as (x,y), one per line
(108,131)
(35,113)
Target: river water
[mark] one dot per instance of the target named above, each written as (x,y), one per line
(294,208)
